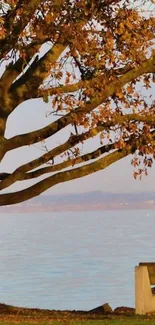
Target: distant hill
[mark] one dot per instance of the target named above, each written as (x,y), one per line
(95,197)
(95,200)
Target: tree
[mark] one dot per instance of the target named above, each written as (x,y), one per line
(97,69)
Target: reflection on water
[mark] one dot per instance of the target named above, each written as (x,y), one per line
(73,260)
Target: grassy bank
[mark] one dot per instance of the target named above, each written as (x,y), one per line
(10,315)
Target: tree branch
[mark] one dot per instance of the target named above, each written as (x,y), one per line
(62,89)
(70,162)
(42,186)
(13,70)
(71,142)
(82,159)
(22,140)
(21,173)
(38,135)
(29,82)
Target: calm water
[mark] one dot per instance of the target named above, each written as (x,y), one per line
(73,260)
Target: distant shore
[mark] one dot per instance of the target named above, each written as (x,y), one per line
(88,201)
(74,208)
(13,310)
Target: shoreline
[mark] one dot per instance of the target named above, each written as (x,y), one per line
(10,315)
(96,312)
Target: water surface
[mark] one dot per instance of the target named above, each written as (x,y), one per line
(73,260)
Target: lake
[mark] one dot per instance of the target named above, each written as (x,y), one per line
(73,260)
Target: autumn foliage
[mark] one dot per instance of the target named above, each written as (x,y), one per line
(97,72)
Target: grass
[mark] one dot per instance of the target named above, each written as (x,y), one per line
(124,321)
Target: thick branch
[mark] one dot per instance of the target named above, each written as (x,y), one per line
(20,174)
(26,86)
(119,119)
(64,89)
(70,162)
(21,140)
(13,70)
(82,159)
(4,175)
(26,90)
(71,142)
(42,186)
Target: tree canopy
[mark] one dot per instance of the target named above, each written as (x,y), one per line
(94,62)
